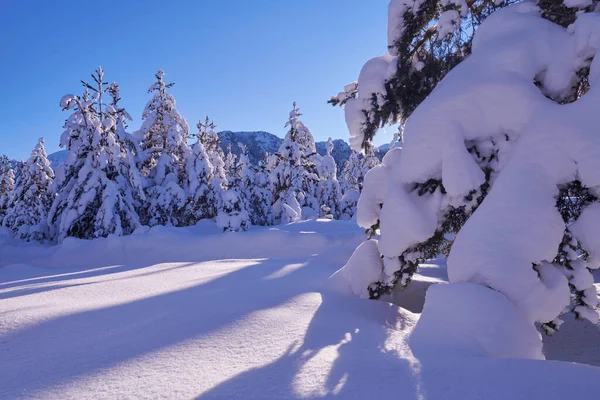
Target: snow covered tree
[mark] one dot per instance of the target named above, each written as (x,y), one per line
(355,169)
(246,175)
(261,197)
(294,174)
(234,215)
(31,198)
(7,183)
(329,190)
(426,39)
(523,251)
(163,143)
(199,183)
(210,139)
(97,188)
(352,175)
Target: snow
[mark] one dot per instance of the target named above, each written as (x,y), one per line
(493,123)
(471,320)
(190,312)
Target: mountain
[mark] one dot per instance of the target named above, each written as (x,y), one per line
(258,144)
(57,158)
(341,151)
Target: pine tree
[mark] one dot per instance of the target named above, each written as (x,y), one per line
(7,184)
(352,175)
(209,138)
(355,169)
(31,199)
(233,216)
(426,39)
(199,183)
(163,143)
(97,187)
(261,197)
(329,190)
(294,173)
(536,225)
(247,178)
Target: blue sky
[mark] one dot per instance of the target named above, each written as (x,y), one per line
(241,62)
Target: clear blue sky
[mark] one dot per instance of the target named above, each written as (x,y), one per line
(241,62)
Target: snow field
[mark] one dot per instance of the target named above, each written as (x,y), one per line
(194,313)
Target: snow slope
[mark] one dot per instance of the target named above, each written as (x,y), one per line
(193,313)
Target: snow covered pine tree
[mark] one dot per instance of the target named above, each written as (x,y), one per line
(329,190)
(199,183)
(209,138)
(28,206)
(498,119)
(233,216)
(96,187)
(261,197)
(163,142)
(7,183)
(294,173)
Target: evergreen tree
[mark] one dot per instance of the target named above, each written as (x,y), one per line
(209,138)
(426,39)
(261,197)
(233,216)
(199,183)
(7,184)
(329,188)
(352,175)
(355,169)
(247,178)
(97,187)
(163,143)
(536,224)
(31,199)
(294,173)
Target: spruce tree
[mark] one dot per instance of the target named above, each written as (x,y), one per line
(426,39)
(294,173)
(247,178)
(233,216)
(329,190)
(31,199)
(509,161)
(210,139)
(96,188)
(261,197)
(199,183)
(7,184)
(164,151)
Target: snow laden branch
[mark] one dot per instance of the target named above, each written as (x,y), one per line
(426,39)
(495,168)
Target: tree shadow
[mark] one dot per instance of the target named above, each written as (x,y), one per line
(364,365)
(67,347)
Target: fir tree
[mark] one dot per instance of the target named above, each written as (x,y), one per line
(246,175)
(418,200)
(233,216)
(426,39)
(163,143)
(31,199)
(199,183)
(261,197)
(329,188)
(96,186)
(294,173)
(7,184)
(209,138)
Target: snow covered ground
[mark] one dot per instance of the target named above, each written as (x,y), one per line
(194,313)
